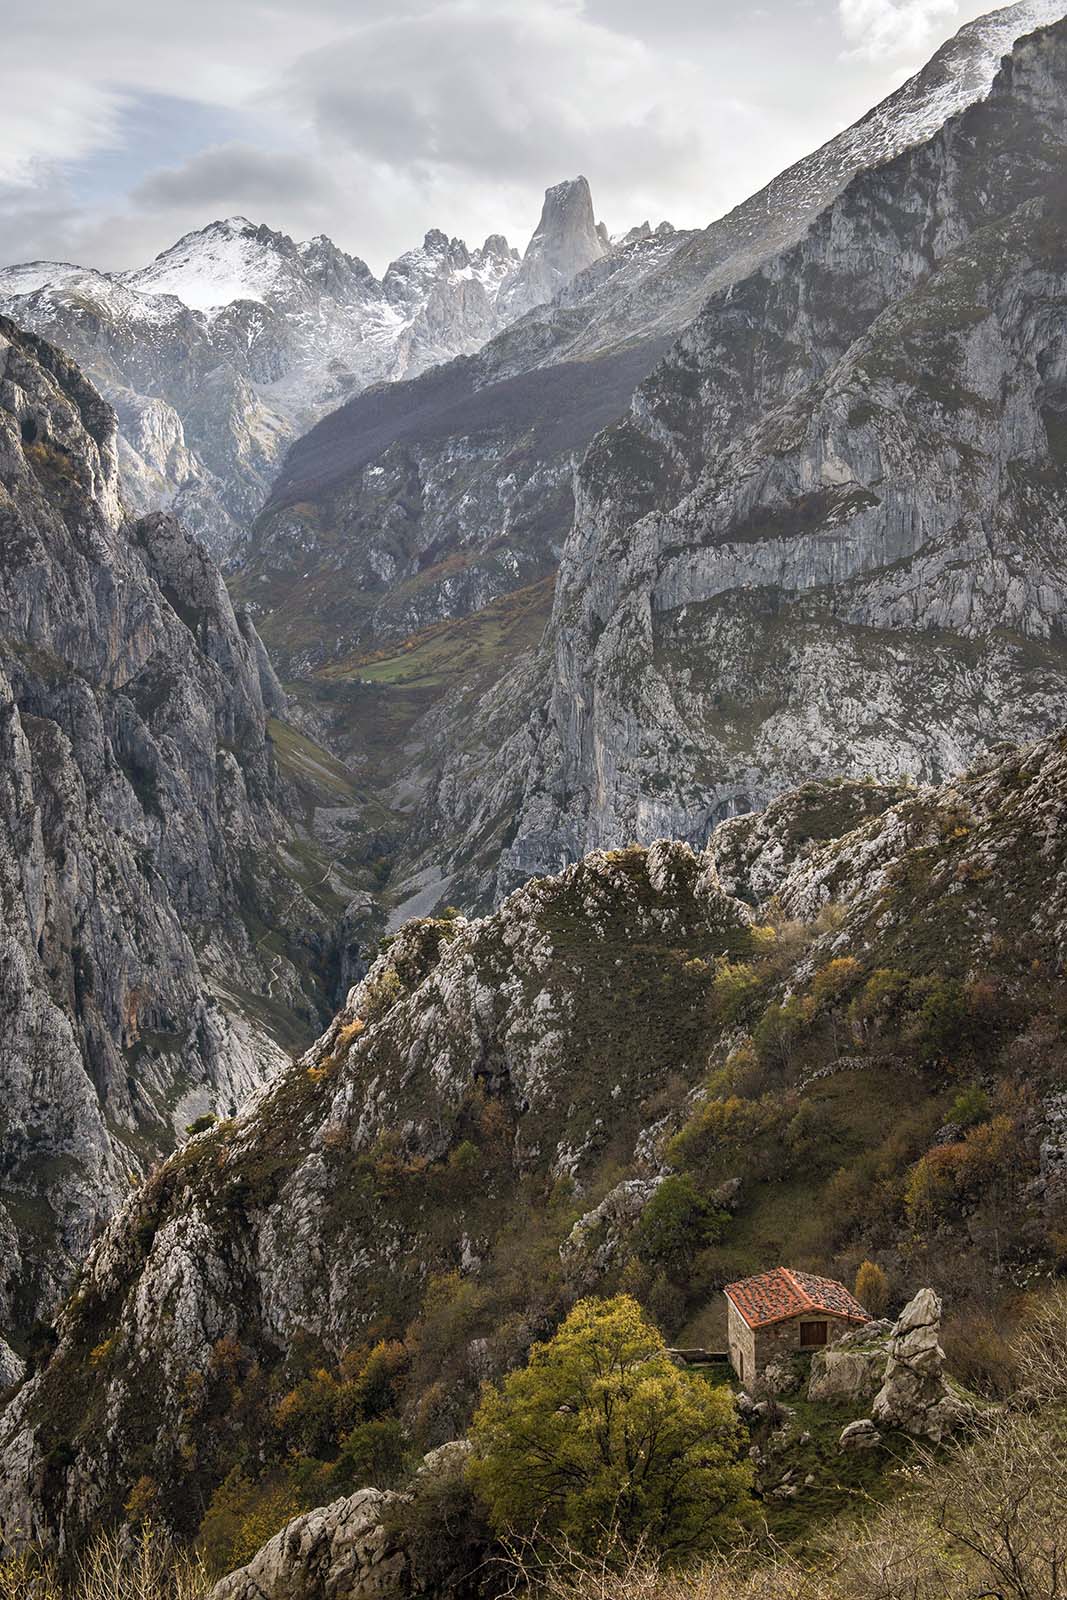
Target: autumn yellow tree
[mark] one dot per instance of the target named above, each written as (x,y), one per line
(601,1433)
(872,1288)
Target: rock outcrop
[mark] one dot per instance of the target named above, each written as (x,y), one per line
(12,1367)
(564,243)
(915,1395)
(851,1370)
(598,1239)
(337,1552)
(353,1549)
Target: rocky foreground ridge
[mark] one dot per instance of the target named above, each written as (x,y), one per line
(367,1543)
(506,1111)
(146,858)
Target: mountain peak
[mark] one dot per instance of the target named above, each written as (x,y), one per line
(229,259)
(565,242)
(568,208)
(497,248)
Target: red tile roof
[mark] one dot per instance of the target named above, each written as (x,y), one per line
(783,1293)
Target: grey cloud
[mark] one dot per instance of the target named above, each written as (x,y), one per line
(496,90)
(236,173)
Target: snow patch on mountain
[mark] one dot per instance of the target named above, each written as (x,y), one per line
(960,74)
(214,266)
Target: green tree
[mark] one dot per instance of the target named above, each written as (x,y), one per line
(601,1431)
(373,1453)
(718,1132)
(676,1223)
(242,1516)
(970,1106)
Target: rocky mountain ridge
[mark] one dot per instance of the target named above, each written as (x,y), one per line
(795,549)
(165,927)
(237,337)
(453,490)
(479,1135)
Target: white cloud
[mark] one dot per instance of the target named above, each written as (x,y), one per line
(45,118)
(891,29)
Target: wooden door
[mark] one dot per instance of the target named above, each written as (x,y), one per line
(813,1333)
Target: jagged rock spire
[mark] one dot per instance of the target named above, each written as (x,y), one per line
(565,242)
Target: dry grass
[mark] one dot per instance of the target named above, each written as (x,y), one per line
(119,1565)
(988,1519)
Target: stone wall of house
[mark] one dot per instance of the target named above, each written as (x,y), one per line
(741,1342)
(784,1338)
(752,1349)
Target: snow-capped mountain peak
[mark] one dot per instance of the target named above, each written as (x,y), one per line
(229,260)
(238,337)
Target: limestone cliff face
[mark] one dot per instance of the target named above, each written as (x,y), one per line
(141,813)
(829,536)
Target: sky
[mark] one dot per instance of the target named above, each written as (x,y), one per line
(126,123)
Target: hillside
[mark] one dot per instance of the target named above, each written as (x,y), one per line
(834,1035)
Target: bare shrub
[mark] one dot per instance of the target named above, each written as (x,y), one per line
(118,1565)
(556,1570)
(1003,1507)
(1041,1349)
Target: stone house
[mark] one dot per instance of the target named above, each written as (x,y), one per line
(782,1311)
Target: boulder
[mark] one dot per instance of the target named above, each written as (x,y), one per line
(349,1550)
(342,1551)
(782,1376)
(861,1435)
(915,1395)
(853,1368)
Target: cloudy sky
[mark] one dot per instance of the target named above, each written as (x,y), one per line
(123,123)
